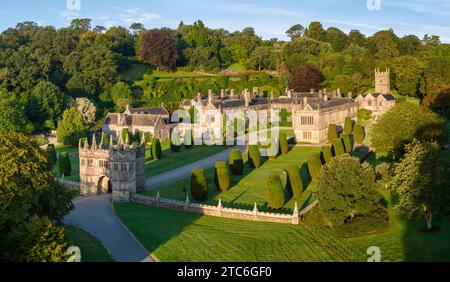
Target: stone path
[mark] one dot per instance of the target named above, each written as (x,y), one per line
(185,171)
(96,215)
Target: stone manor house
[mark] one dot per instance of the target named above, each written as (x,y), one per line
(311,112)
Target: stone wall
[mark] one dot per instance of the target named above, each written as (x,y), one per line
(221,211)
(72,185)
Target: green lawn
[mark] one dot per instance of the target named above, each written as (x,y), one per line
(180,74)
(174,236)
(237,67)
(402,240)
(251,186)
(171,160)
(135,71)
(92,250)
(74,161)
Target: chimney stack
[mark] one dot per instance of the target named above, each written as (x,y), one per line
(210,96)
(339,93)
(324,91)
(232,93)
(350,95)
(247,98)
(127,108)
(199,97)
(289,93)
(325,97)
(320,94)
(305,101)
(222,93)
(312,91)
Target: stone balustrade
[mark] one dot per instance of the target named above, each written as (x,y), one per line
(221,211)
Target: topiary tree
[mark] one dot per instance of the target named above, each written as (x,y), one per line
(106,139)
(188,139)
(156,149)
(199,186)
(327,154)
(236,162)
(284,148)
(314,165)
(254,158)
(51,153)
(65,167)
(359,134)
(338,146)
(275,195)
(348,126)
(332,133)
(347,139)
(348,197)
(136,138)
(126,134)
(222,176)
(175,143)
(294,183)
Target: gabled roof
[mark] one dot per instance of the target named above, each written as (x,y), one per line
(161,111)
(132,120)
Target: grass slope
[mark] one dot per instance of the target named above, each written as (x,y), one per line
(171,160)
(174,236)
(92,250)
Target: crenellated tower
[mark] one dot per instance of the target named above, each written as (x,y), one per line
(382,81)
(111,168)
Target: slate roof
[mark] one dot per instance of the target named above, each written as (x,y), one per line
(150,111)
(131,120)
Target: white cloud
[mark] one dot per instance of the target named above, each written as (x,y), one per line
(136,15)
(69,15)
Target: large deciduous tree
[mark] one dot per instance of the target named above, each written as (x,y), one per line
(32,201)
(348,199)
(305,77)
(408,71)
(159,48)
(72,127)
(401,124)
(421,180)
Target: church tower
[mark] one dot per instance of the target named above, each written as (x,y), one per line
(382,81)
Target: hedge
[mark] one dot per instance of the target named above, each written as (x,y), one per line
(338,146)
(276,197)
(332,132)
(254,158)
(136,138)
(364,114)
(65,168)
(222,176)
(284,148)
(175,146)
(156,149)
(358,134)
(51,153)
(327,153)
(294,183)
(348,126)
(314,165)
(199,186)
(348,143)
(236,162)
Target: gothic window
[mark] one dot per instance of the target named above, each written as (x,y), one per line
(380,104)
(116,167)
(83,162)
(90,163)
(307,135)
(307,120)
(369,103)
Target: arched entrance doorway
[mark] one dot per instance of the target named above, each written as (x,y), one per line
(104,185)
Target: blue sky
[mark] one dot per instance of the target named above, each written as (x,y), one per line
(270,18)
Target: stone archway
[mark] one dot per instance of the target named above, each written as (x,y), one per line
(104,185)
